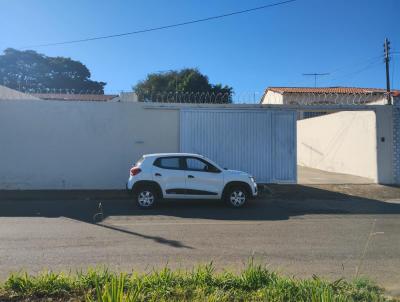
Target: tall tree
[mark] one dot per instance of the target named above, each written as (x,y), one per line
(186,85)
(29,70)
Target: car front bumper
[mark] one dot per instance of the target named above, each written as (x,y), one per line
(255,191)
(253,185)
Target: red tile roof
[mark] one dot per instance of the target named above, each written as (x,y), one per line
(341,90)
(75,97)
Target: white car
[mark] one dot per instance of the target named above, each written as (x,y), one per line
(187,176)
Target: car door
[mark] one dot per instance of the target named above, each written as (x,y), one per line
(168,172)
(203,180)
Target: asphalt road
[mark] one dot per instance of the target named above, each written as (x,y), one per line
(302,232)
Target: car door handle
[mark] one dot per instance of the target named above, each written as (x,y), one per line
(190,176)
(157,174)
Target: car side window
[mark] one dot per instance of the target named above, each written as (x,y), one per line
(168,163)
(196,164)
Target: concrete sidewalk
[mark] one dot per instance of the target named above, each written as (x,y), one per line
(306,176)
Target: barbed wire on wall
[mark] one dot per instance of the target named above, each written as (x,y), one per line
(161,97)
(309,98)
(60,91)
(365,98)
(200,97)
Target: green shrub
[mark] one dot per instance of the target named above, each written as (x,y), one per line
(254,283)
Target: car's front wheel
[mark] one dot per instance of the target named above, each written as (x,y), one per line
(236,196)
(146,197)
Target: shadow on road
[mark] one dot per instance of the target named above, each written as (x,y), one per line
(161,240)
(279,202)
(276,203)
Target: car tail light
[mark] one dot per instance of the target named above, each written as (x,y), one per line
(135,171)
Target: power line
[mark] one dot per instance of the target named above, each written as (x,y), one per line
(164,27)
(351,67)
(356,64)
(349,75)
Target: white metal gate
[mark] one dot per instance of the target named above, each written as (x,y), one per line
(261,142)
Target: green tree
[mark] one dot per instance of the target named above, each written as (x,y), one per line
(29,70)
(186,85)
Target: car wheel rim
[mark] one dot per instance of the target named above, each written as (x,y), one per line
(146,198)
(237,198)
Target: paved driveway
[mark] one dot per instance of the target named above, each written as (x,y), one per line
(297,230)
(307,176)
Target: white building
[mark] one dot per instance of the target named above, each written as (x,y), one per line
(324,95)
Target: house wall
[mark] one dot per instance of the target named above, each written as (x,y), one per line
(272,98)
(79,145)
(343,142)
(91,145)
(50,144)
(11,94)
(385,142)
(313,98)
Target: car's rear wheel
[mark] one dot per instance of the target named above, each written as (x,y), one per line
(236,196)
(146,197)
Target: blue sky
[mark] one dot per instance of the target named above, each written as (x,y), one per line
(270,47)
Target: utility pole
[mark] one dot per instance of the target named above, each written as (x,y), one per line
(386,46)
(315,76)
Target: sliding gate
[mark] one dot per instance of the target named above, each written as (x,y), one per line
(261,142)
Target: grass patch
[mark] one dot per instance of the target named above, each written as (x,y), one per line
(255,283)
